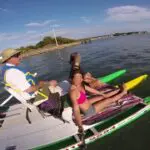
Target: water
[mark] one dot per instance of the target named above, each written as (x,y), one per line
(102,57)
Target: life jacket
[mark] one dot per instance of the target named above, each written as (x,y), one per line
(29,76)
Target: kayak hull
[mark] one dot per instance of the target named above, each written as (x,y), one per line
(112,76)
(133,83)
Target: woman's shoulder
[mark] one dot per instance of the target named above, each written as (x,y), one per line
(73,88)
(73,91)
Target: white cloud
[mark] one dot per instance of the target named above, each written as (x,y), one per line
(16,40)
(31,32)
(39,24)
(2,9)
(55,25)
(85,19)
(128,13)
(31,37)
(6,36)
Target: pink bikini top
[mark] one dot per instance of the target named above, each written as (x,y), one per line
(82,98)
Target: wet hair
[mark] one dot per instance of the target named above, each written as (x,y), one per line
(72,57)
(74,68)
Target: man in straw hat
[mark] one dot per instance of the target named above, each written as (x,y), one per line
(18,79)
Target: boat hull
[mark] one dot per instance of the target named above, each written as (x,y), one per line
(41,131)
(103,129)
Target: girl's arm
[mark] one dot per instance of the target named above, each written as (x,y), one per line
(96,83)
(94,91)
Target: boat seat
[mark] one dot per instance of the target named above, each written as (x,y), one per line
(26,100)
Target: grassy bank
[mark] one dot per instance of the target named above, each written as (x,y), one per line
(47,49)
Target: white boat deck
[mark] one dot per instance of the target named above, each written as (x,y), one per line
(16,131)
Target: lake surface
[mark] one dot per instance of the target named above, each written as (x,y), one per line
(103,57)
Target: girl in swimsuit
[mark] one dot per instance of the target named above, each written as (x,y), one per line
(91,81)
(89,106)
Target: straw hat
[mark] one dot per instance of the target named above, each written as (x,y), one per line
(7,53)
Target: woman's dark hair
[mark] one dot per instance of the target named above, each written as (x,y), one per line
(74,72)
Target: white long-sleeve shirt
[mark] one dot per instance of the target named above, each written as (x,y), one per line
(16,78)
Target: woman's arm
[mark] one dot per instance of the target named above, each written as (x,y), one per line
(76,108)
(96,83)
(94,91)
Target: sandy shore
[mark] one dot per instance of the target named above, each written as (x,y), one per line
(48,48)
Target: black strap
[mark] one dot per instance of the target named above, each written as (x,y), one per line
(27,115)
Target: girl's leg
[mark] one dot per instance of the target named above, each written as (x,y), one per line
(99,106)
(99,98)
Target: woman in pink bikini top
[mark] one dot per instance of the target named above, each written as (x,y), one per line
(79,99)
(82,98)
(89,106)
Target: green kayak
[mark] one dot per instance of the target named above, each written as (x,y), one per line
(112,76)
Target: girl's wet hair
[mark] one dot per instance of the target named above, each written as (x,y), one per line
(74,68)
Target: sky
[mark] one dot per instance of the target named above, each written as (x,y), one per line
(26,22)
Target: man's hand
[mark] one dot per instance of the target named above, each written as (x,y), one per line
(41,83)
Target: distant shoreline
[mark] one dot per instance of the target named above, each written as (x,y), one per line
(48,49)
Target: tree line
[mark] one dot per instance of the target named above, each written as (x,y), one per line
(130,33)
(47,41)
